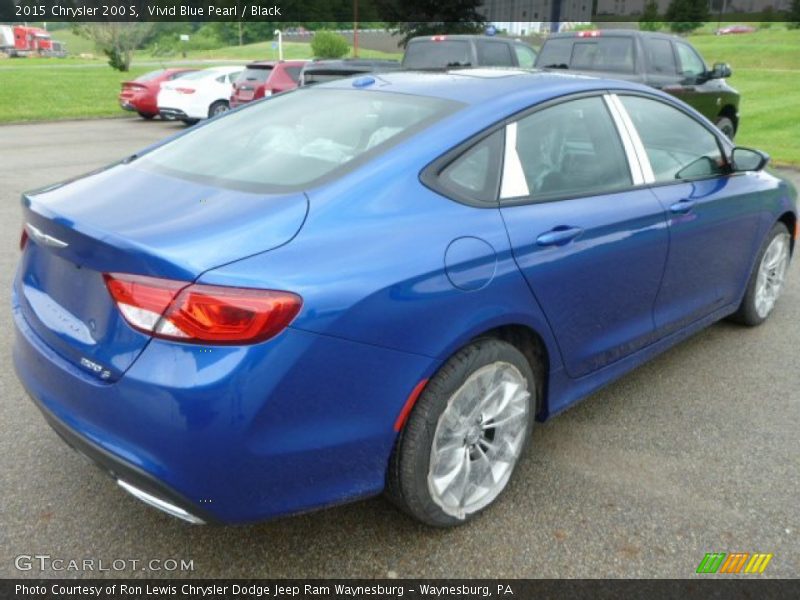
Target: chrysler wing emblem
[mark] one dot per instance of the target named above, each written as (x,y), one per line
(44,239)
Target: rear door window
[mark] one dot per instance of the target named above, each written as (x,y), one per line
(571,149)
(494,54)
(660,57)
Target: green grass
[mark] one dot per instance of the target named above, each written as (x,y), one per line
(766,70)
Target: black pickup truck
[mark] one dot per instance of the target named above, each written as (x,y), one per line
(662,61)
(438,52)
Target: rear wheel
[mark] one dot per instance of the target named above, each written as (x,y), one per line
(219,107)
(766,281)
(727,127)
(465,435)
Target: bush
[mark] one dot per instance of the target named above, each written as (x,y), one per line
(327,44)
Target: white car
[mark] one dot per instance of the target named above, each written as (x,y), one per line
(199,95)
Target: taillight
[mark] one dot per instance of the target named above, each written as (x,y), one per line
(185,90)
(23,239)
(198,313)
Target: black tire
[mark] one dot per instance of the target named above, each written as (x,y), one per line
(189,122)
(219,107)
(747,313)
(726,126)
(407,478)
(147,116)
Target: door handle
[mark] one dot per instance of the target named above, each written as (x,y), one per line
(682,207)
(559,236)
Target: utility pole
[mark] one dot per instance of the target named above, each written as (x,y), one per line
(355,28)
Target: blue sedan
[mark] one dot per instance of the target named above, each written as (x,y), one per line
(382,284)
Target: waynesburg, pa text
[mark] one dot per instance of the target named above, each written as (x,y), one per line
(271,590)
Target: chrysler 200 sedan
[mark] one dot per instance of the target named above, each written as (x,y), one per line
(382,283)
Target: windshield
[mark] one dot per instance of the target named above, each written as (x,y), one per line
(296,138)
(437,54)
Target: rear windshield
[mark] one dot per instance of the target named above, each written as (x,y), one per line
(259,75)
(295,139)
(614,54)
(437,55)
(149,76)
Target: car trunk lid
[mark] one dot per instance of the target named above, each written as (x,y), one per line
(128,220)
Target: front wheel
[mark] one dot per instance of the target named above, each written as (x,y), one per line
(766,282)
(726,126)
(465,435)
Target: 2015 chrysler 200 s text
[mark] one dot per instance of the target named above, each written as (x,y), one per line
(382,283)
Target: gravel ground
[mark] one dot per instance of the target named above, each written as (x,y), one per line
(696,452)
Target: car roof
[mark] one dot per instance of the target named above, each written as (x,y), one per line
(612,33)
(269,64)
(461,36)
(472,86)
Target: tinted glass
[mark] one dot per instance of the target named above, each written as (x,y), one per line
(475,175)
(525,56)
(660,57)
(603,54)
(678,146)
(691,64)
(294,73)
(295,138)
(571,149)
(494,54)
(255,75)
(555,53)
(150,76)
(437,55)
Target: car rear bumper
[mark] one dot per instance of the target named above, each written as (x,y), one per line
(230,434)
(173,113)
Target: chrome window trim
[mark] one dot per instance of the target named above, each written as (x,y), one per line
(634,164)
(636,141)
(513,183)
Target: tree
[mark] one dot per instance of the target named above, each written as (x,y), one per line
(117,41)
(327,44)
(685,16)
(649,20)
(411,18)
(794,15)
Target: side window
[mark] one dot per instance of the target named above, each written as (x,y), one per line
(572,149)
(494,54)
(660,57)
(232,77)
(525,56)
(475,175)
(294,73)
(691,63)
(678,146)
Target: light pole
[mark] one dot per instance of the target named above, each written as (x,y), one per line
(280,43)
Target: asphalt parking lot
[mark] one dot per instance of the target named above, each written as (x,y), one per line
(696,452)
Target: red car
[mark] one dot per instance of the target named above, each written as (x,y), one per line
(734,29)
(140,94)
(265,78)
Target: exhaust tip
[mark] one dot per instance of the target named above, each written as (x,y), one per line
(160,504)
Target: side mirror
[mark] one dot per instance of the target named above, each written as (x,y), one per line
(747,159)
(720,71)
